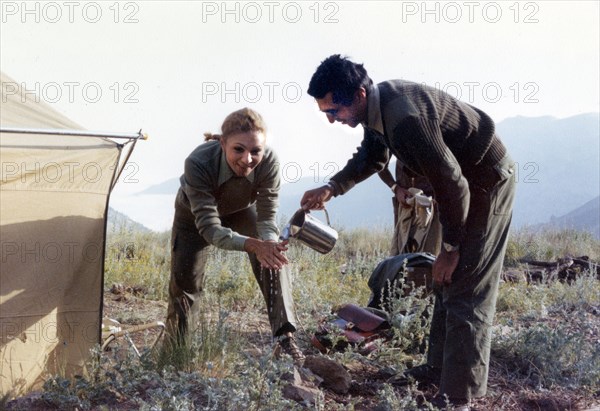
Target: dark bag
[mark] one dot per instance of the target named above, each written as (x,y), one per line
(396,276)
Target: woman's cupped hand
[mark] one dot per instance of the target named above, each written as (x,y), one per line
(270,254)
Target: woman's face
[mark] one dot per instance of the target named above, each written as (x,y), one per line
(244,151)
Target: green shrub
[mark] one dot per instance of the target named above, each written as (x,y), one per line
(549,332)
(549,245)
(139,259)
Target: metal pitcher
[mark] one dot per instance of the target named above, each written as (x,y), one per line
(311,231)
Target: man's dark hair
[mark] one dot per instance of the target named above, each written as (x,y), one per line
(340,76)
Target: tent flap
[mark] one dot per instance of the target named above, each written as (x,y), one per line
(54,193)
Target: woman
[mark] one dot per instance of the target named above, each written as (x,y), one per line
(228,198)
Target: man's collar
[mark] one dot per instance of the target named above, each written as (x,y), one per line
(225,172)
(374,120)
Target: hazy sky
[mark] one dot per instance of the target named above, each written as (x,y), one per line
(176,69)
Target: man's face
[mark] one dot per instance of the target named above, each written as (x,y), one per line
(351,115)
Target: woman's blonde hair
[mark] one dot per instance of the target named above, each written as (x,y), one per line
(240,121)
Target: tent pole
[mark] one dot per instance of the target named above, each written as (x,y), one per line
(79,133)
(118,174)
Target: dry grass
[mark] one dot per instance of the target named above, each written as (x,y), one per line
(545,355)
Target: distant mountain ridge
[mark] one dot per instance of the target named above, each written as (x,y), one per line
(584,218)
(558,164)
(558,170)
(348,211)
(120,222)
(169,186)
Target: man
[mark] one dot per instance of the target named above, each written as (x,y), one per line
(453,145)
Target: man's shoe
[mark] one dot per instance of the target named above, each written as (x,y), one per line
(423,374)
(287,345)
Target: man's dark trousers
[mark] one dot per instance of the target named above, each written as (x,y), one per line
(460,337)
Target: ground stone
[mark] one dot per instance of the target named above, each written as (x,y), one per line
(335,376)
(299,389)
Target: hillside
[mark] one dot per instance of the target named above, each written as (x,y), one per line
(558,164)
(584,218)
(544,347)
(119,222)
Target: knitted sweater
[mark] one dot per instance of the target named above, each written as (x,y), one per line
(211,190)
(434,135)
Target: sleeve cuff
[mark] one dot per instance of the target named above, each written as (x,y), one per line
(267,231)
(335,188)
(452,236)
(238,242)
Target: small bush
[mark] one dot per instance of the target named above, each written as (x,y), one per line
(551,333)
(549,245)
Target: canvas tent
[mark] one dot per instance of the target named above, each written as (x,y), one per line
(55,179)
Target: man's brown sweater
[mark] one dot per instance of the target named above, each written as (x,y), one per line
(435,135)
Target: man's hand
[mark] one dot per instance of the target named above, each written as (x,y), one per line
(316,198)
(444,266)
(402,194)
